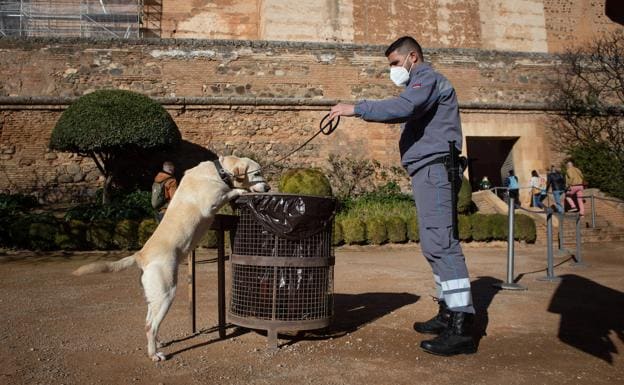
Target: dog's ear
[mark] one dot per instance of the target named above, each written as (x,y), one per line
(239,170)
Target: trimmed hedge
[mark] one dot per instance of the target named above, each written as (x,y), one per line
(465,228)
(337,236)
(397,230)
(126,235)
(146,229)
(413,233)
(354,231)
(376,232)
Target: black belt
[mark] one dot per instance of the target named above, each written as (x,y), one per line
(439,160)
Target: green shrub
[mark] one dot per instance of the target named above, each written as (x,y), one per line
(601,167)
(17,202)
(72,236)
(524,228)
(464,199)
(209,240)
(337,236)
(354,230)
(146,229)
(126,234)
(499,227)
(465,228)
(42,233)
(397,229)
(376,232)
(413,233)
(480,227)
(19,231)
(100,234)
(305,181)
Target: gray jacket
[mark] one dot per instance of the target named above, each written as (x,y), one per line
(429,112)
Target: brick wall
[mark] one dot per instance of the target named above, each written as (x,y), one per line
(247,98)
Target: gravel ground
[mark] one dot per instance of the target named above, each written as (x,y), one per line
(61,329)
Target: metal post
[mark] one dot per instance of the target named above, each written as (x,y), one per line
(550,274)
(510,284)
(221,280)
(593,211)
(191,283)
(578,259)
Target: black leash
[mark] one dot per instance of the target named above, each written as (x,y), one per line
(325,128)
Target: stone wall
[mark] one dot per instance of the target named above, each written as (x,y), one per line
(245,97)
(511,25)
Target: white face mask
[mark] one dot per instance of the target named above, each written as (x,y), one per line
(399,75)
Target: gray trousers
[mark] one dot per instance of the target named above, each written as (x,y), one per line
(432,194)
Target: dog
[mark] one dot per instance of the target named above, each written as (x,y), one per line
(202,191)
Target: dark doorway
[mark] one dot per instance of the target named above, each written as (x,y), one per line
(491,157)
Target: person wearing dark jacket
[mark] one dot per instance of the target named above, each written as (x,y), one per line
(556,183)
(429,112)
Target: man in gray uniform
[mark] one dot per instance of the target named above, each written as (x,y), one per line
(429,112)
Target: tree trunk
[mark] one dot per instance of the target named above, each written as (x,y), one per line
(106,199)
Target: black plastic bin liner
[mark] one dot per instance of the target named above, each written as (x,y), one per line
(294,217)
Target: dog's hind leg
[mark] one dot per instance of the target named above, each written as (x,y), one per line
(159,296)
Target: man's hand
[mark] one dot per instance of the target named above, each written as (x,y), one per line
(342,109)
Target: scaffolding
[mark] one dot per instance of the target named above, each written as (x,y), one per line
(71,18)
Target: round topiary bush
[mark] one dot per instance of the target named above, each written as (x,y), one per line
(100,234)
(146,229)
(337,236)
(376,232)
(413,233)
(106,125)
(480,227)
(524,228)
(354,231)
(126,234)
(465,228)
(305,181)
(397,229)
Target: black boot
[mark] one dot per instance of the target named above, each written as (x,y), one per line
(455,339)
(437,324)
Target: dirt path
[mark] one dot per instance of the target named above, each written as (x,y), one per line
(59,329)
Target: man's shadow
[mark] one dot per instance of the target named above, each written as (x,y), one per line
(483,292)
(589,313)
(352,312)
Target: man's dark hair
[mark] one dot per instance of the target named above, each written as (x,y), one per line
(405,45)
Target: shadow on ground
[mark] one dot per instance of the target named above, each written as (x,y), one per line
(589,313)
(353,311)
(483,292)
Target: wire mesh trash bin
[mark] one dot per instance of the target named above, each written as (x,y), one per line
(282,263)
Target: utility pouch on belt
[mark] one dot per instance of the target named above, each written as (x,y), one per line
(454,165)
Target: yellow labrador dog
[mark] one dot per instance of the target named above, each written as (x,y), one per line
(201,193)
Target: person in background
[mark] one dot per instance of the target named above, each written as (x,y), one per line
(574,184)
(556,183)
(538,189)
(485,184)
(511,182)
(168,184)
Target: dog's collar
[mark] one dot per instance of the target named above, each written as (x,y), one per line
(223,174)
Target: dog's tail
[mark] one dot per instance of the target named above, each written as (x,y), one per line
(105,267)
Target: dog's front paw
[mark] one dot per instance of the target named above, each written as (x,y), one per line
(158,356)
